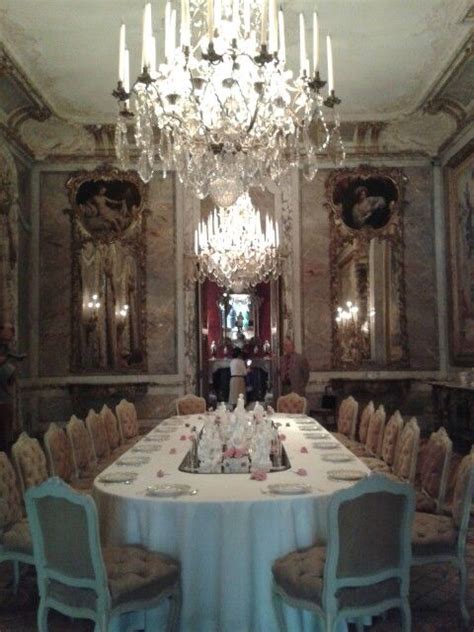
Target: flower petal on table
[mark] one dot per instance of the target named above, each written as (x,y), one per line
(301,472)
(282,437)
(160,474)
(258,475)
(173,451)
(182,438)
(304,450)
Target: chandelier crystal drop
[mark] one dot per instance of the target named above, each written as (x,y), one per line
(223,110)
(233,250)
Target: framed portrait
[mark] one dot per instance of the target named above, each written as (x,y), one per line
(459,179)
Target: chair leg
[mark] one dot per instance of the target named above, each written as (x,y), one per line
(406,615)
(42,617)
(16,575)
(462,591)
(278,608)
(359,625)
(175,611)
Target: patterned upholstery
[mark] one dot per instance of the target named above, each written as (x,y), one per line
(190,405)
(98,433)
(406,454)
(462,494)
(59,453)
(17,538)
(365,420)
(111,427)
(292,404)
(10,499)
(434,472)
(128,420)
(82,449)
(30,461)
(433,533)
(347,417)
(375,432)
(391,436)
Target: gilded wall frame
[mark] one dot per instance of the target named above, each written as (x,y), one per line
(108,236)
(382,219)
(459,181)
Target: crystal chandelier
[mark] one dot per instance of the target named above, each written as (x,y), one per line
(223,110)
(233,250)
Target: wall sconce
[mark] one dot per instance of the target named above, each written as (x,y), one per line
(122,315)
(91,313)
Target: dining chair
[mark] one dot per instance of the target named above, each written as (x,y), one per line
(434,472)
(128,421)
(374,437)
(292,404)
(406,453)
(82,450)
(364,568)
(112,428)
(439,538)
(347,419)
(60,458)
(190,405)
(365,418)
(391,436)
(79,578)
(15,539)
(98,434)
(29,461)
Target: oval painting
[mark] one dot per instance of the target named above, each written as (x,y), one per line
(366,202)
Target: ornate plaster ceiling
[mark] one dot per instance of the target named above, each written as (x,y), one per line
(388,53)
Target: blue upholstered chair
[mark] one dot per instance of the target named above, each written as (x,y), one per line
(77,577)
(364,568)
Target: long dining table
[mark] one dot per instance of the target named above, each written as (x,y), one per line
(226,529)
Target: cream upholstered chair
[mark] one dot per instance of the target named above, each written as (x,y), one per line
(60,458)
(365,418)
(374,438)
(15,539)
(406,454)
(82,450)
(434,472)
(391,437)
(30,461)
(190,405)
(77,577)
(364,568)
(128,421)
(112,429)
(438,539)
(98,433)
(347,419)
(292,404)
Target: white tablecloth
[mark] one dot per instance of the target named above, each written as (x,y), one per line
(227,535)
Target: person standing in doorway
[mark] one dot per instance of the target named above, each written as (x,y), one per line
(294,370)
(238,372)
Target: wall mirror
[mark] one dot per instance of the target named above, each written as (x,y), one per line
(367,268)
(108,271)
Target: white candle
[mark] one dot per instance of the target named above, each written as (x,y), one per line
(263,25)
(185,25)
(302,45)
(172,32)
(330,64)
(152,53)
(277,235)
(126,70)
(121,68)
(315,42)
(196,249)
(236,17)
(272,31)
(247,16)
(146,34)
(210,18)
(167,29)
(217,14)
(281,29)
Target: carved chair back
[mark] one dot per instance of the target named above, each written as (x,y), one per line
(128,420)
(111,427)
(375,432)
(347,417)
(10,499)
(30,461)
(435,467)
(406,453)
(59,453)
(96,427)
(391,437)
(190,405)
(364,421)
(81,443)
(291,403)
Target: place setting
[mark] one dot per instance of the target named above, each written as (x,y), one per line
(326,445)
(346,475)
(170,490)
(287,489)
(133,460)
(146,448)
(118,477)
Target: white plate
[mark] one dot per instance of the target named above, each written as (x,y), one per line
(144,448)
(157,439)
(133,460)
(118,477)
(166,491)
(337,458)
(289,488)
(316,435)
(163,431)
(346,475)
(325,445)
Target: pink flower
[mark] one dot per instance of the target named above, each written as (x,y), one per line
(182,438)
(301,472)
(160,474)
(173,451)
(190,437)
(239,453)
(258,475)
(282,437)
(304,450)
(228,454)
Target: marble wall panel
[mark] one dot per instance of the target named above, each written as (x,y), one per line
(420,270)
(24,263)
(161,276)
(316,311)
(54,276)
